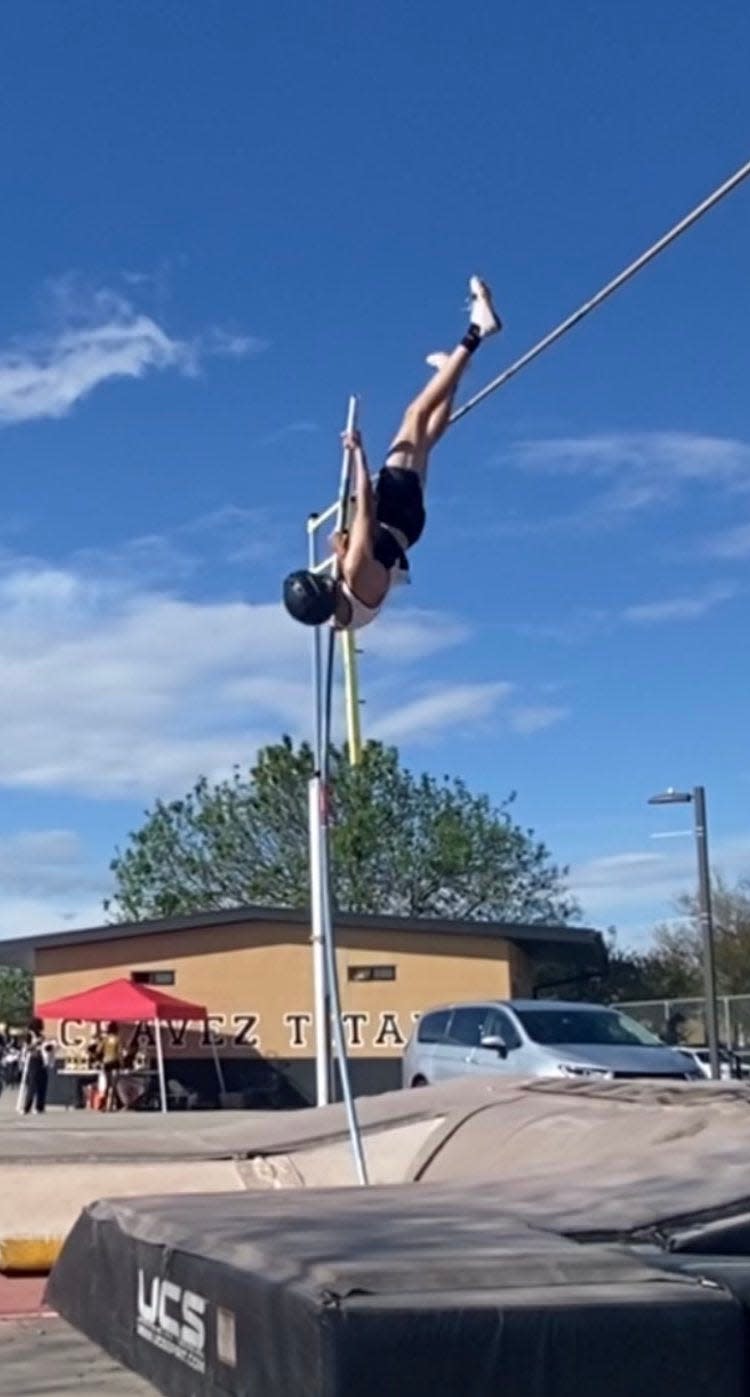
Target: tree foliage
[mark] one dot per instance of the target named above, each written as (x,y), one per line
(16,995)
(413,846)
(671,967)
(680,944)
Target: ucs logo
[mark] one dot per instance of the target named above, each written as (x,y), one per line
(173,1319)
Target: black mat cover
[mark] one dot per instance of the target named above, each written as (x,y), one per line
(417,1291)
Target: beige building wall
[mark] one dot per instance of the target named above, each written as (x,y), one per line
(255,979)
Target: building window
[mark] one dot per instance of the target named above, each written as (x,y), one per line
(152,977)
(359,973)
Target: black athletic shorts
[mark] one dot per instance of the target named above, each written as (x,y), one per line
(400,503)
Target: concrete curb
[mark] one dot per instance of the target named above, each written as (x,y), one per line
(40,1203)
(24,1256)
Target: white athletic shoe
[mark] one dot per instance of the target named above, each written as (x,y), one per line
(437,359)
(482,313)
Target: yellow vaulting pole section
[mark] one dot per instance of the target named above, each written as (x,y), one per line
(351,693)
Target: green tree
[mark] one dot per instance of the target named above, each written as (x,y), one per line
(680,943)
(16,996)
(656,973)
(408,845)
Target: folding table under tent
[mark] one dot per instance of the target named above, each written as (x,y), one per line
(122,1001)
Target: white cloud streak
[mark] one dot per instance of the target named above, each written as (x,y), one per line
(449,706)
(659,458)
(616,887)
(731,543)
(635,472)
(531,718)
(684,608)
(103,337)
(588,624)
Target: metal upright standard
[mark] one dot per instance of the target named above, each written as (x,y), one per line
(327,1000)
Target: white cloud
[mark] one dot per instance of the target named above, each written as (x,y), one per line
(617,887)
(684,608)
(33,916)
(102,336)
(635,471)
(114,689)
(37,862)
(300,427)
(449,706)
(230,534)
(730,543)
(651,457)
(580,626)
(46,883)
(411,633)
(532,718)
(587,624)
(229,344)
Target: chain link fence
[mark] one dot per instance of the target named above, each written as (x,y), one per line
(684,1020)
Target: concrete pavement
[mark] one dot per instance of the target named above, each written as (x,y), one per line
(44,1357)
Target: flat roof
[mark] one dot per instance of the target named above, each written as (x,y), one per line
(537,939)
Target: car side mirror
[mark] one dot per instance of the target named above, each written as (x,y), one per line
(494,1042)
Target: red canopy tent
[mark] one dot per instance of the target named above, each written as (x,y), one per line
(126,1001)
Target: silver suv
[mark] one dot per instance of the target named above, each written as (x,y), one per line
(537,1038)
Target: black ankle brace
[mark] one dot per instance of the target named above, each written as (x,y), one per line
(472,339)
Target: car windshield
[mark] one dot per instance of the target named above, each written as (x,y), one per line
(559,1026)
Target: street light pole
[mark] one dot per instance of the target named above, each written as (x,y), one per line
(707,928)
(705,914)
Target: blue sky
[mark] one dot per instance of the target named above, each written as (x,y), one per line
(220,220)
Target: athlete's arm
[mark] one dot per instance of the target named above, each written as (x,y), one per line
(362,531)
(366,577)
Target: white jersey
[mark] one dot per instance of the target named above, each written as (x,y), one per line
(362,614)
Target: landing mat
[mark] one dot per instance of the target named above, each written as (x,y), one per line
(420,1291)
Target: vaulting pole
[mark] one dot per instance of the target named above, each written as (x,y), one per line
(606,291)
(321,1002)
(348,646)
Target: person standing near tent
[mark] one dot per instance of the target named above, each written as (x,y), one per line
(35,1073)
(389,516)
(111,1066)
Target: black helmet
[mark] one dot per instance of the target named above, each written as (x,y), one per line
(310,597)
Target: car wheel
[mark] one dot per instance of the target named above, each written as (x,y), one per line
(420,1082)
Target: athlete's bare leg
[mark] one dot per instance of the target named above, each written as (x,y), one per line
(426,418)
(441,415)
(413,437)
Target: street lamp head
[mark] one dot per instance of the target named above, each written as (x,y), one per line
(671,797)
